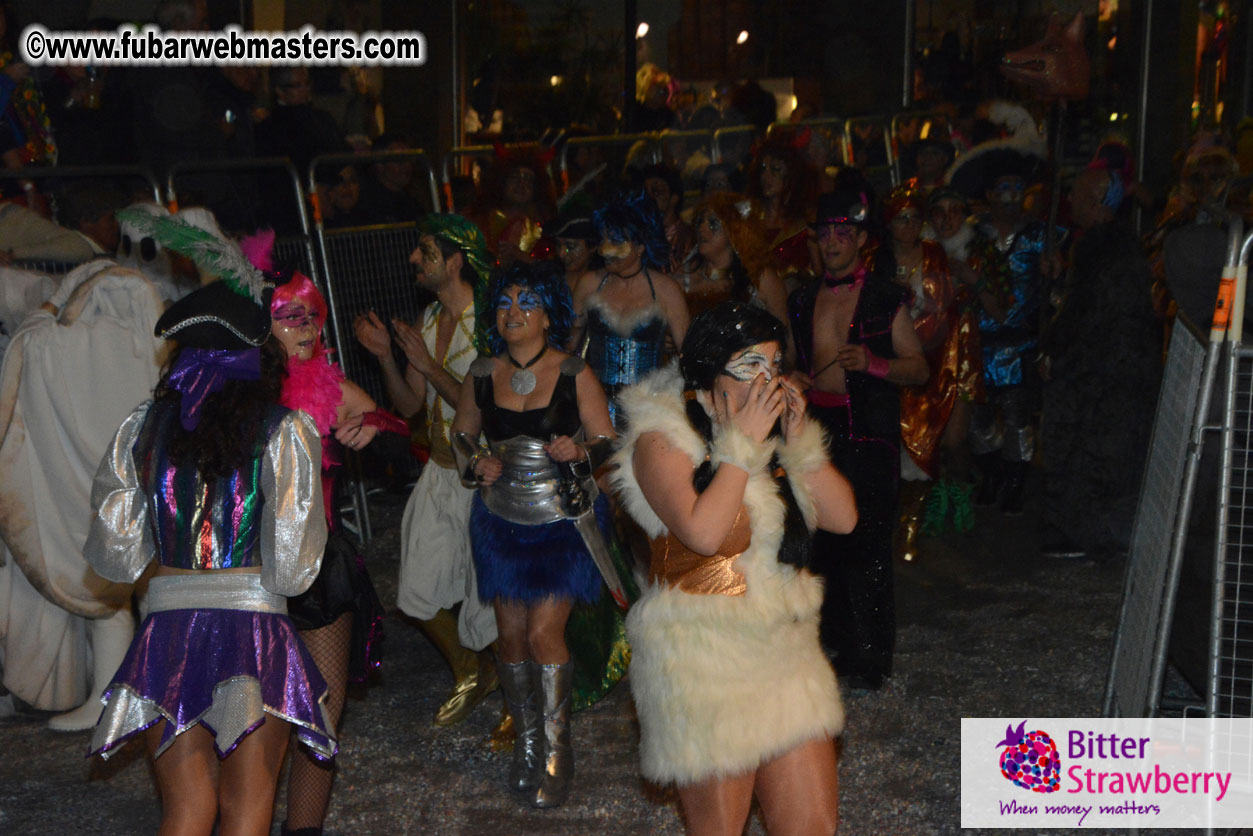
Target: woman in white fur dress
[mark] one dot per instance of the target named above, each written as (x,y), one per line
(728,478)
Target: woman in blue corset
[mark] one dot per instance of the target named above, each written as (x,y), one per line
(625,312)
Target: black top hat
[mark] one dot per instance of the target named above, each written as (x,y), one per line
(575,226)
(979,169)
(936,143)
(946,193)
(215,316)
(843,207)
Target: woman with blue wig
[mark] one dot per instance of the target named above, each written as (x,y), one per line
(529,400)
(625,311)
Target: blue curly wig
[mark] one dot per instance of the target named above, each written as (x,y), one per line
(547,280)
(635,218)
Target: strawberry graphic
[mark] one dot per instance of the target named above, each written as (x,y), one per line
(1030,759)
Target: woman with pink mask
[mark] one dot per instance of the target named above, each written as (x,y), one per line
(339,617)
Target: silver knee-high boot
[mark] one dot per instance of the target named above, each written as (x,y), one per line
(517,681)
(555,682)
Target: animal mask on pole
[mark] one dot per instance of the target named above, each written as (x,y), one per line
(1055,67)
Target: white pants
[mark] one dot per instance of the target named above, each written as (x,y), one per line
(436,567)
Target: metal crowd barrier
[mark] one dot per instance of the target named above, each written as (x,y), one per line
(868,146)
(612,151)
(294,245)
(114,173)
(367,269)
(909,126)
(1185,425)
(831,129)
(423,170)
(1139,653)
(732,145)
(460,161)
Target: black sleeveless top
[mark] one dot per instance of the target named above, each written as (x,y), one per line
(559,417)
(874,404)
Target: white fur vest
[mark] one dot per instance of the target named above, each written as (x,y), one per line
(723,683)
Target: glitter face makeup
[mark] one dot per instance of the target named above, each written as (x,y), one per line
(840,232)
(755,360)
(430,252)
(528,302)
(294,326)
(711,222)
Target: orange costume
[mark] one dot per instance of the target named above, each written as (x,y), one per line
(949,334)
(790,248)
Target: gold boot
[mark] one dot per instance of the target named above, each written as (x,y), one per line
(503,736)
(471,681)
(913,499)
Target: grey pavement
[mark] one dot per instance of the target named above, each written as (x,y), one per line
(986,629)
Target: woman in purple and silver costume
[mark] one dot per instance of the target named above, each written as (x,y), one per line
(221,486)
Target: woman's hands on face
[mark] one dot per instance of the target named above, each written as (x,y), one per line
(762,407)
(793,408)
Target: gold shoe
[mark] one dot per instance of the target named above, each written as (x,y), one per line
(910,551)
(503,736)
(913,501)
(466,694)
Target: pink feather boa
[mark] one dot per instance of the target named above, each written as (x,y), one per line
(312,386)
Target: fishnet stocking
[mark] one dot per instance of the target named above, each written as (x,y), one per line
(309,784)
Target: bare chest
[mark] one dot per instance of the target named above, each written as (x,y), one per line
(833,317)
(445,327)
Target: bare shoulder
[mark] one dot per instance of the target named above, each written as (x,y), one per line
(585,285)
(655,450)
(667,285)
(354,398)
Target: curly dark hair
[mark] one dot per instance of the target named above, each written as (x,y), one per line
(229,433)
(548,280)
(636,219)
(798,184)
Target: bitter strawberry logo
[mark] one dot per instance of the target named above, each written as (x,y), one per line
(1030,759)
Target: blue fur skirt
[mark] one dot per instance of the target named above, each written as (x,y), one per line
(528,563)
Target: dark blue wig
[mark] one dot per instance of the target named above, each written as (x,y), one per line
(636,219)
(547,280)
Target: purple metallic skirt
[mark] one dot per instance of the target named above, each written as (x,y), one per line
(225,669)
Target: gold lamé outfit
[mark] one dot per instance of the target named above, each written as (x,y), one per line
(949,333)
(678,566)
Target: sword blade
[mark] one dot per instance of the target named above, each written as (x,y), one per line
(594,539)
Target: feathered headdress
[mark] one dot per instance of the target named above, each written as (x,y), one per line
(216,254)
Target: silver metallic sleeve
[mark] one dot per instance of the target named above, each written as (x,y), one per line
(119,544)
(293,521)
(466,452)
(599,449)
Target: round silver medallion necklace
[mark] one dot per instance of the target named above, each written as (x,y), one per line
(522,381)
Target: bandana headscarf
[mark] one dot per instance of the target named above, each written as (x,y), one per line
(199,372)
(466,236)
(469,239)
